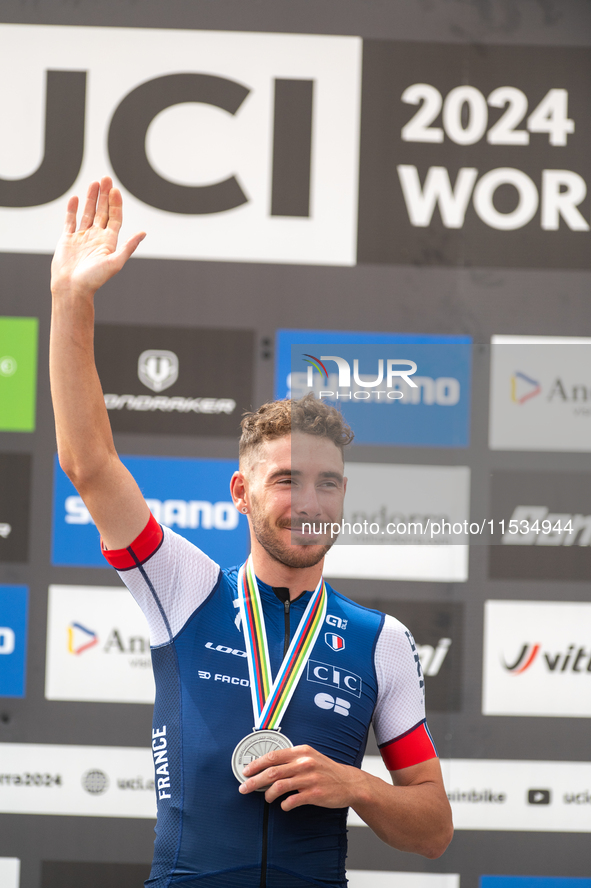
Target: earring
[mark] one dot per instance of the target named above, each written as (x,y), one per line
(244,509)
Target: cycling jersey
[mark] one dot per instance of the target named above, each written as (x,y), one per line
(364,667)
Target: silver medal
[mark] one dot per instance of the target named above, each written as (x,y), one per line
(254,746)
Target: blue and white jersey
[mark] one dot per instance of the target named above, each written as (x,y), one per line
(364,667)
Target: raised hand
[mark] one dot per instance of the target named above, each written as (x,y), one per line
(85,259)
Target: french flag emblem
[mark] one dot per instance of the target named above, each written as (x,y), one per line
(334,641)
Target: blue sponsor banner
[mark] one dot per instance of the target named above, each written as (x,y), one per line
(534,882)
(435,412)
(14,606)
(191,496)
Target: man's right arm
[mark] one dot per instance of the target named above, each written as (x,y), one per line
(84,260)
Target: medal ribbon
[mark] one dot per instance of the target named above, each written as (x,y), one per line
(271,698)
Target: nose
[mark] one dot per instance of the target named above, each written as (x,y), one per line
(304,501)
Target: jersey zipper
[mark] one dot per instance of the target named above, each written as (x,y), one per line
(263,882)
(287,631)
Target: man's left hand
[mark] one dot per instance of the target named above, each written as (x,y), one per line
(313,778)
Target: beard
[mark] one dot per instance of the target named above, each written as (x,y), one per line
(307,554)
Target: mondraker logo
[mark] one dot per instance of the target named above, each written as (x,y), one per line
(158,369)
(80,638)
(523,388)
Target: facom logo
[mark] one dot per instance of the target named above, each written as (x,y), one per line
(80,638)
(182,513)
(523,388)
(158,370)
(576,658)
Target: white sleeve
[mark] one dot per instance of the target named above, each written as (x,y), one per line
(168,576)
(400,707)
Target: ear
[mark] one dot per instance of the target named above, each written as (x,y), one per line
(239,491)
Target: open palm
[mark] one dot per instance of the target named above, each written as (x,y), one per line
(85,259)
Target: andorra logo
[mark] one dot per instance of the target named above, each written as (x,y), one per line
(523,388)
(158,369)
(80,638)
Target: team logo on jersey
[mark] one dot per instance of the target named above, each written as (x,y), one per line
(334,641)
(158,369)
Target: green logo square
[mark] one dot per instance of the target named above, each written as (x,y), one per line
(18,374)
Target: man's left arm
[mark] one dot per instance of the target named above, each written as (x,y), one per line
(411,815)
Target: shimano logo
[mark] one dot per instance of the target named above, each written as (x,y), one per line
(144,403)
(180,513)
(158,370)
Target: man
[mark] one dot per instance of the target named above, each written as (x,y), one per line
(280,821)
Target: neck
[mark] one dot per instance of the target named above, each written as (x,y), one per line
(296,579)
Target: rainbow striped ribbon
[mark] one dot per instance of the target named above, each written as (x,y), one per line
(271,698)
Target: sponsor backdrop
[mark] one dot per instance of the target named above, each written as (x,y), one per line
(328,189)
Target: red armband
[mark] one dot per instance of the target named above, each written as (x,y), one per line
(142,548)
(411,748)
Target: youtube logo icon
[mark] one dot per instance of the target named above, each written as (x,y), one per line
(538,797)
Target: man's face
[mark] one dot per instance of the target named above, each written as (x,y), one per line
(296,480)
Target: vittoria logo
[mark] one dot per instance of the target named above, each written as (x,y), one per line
(576,658)
(158,370)
(336,642)
(545,673)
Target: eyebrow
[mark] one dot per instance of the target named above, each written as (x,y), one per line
(297,473)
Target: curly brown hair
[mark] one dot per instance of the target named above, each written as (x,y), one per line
(278,418)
